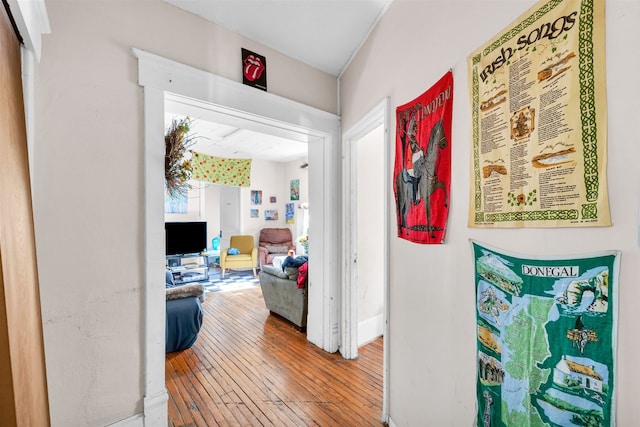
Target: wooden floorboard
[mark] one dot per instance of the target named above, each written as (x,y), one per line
(251,368)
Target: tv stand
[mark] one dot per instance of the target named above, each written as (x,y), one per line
(187,268)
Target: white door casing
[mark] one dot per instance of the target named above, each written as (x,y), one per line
(165,80)
(378,115)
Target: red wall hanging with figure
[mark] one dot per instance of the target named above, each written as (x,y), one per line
(422,172)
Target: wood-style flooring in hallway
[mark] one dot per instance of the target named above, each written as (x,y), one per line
(252,368)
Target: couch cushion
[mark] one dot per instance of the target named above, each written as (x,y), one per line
(291,272)
(239,257)
(274,271)
(274,249)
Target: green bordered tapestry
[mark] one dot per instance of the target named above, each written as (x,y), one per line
(539,120)
(546,338)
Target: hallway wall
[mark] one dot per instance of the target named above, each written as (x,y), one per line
(89,186)
(432,317)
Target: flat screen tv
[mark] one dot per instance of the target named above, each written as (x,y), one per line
(185,237)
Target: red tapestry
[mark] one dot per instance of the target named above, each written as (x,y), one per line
(422,171)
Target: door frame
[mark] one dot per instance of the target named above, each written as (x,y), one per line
(378,115)
(24,398)
(163,79)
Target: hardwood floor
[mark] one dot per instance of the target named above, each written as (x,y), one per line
(250,368)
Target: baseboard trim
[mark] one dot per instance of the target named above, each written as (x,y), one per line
(370,329)
(155,409)
(154,415)
(135,421)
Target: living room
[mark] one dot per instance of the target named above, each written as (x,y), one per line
(230,210)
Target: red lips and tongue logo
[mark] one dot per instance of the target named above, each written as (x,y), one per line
(253,68)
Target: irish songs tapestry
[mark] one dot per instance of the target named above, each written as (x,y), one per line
(539,120)
(546,338)
(422,171)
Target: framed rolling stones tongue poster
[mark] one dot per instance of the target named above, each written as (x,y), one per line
(254,69)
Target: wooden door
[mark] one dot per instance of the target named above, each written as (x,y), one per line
(23,386)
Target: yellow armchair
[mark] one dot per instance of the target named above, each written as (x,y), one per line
(247,258)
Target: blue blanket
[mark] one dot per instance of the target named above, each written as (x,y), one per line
(184,320)
(294,261)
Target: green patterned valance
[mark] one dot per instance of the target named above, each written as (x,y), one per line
(221,171)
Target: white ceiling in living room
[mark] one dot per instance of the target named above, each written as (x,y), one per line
(222,140)
(325,34)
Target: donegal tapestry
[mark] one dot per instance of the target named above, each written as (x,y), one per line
(220,170)
(539,120)
(422,171)
(546,338)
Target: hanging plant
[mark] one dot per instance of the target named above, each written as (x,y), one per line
(177,169)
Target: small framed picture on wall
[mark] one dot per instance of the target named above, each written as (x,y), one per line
(271,215)
(295,189)
(254,213)
(289,213)
(256,197)
(272,199)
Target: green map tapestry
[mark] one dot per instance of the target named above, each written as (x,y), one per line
(546,338)
(220,170)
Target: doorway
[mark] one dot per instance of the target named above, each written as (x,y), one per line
(369,224)
(366,237)
(164,79)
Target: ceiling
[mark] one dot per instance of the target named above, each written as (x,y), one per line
(222,140)
(324,34)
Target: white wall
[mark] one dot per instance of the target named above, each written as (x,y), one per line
(268,177)
(432,316)
(89,180)
(292,171)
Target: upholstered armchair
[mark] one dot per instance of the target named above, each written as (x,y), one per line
(274,242)
(247,256)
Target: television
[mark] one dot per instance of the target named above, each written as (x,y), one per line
(185,237)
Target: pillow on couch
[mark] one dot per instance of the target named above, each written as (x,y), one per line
(273,249)
(291,272)
(169,282)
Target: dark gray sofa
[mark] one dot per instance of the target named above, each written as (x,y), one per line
(282,295)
